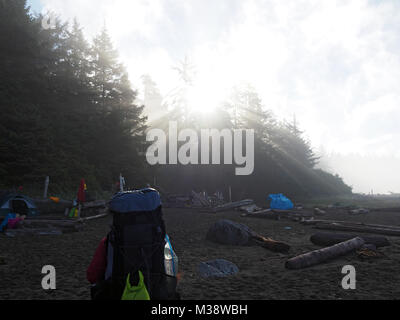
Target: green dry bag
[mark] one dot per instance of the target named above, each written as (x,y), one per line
(138,292)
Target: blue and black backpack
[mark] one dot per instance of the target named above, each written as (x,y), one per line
(136,243)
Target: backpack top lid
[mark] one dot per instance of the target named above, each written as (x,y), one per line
(135,201)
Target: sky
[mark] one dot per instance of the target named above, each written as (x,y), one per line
(334,64)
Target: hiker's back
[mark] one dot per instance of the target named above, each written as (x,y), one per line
(136,243)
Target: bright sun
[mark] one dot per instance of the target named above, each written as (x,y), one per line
(202,98)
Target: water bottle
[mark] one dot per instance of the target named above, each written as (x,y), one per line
(170,259)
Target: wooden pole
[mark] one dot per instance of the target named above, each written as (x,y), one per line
(46,186)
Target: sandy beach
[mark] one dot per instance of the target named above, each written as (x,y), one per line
(262,273)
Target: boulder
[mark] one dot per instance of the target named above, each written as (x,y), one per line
(217,268)
(231,233)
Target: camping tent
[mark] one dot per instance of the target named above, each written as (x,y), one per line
(16,203)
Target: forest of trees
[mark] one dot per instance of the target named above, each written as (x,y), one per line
(68,110)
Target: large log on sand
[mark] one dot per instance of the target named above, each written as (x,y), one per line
(319,256)
(329,239)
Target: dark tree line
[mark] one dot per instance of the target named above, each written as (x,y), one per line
(67,108)
(68,111)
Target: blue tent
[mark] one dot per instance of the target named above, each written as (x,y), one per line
(16,203)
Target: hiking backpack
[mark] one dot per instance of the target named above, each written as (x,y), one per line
(136,243)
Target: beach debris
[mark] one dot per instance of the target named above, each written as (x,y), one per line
(270,244)
(359,211)
(250,208)
(193,200)
(368,251)
(319,212)
(232,233)
(217,268)
(322,255)
(176,201)
(330,238)
(233,205)
(200,199)
(55,199)
(280,202)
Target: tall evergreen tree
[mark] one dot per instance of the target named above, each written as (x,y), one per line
(121,138)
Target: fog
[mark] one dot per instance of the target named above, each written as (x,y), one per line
(334,64)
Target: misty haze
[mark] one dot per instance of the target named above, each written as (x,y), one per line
(229,144)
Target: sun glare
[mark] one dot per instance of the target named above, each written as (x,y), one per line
(202,99)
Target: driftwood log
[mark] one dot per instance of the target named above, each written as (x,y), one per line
(359,228)
(352,223)
(49,206)
(233,205)
(263,214)
(329,239)
(94,204)
(278,214)
(322,255)
(354,227)
(102,215)
(386,209)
